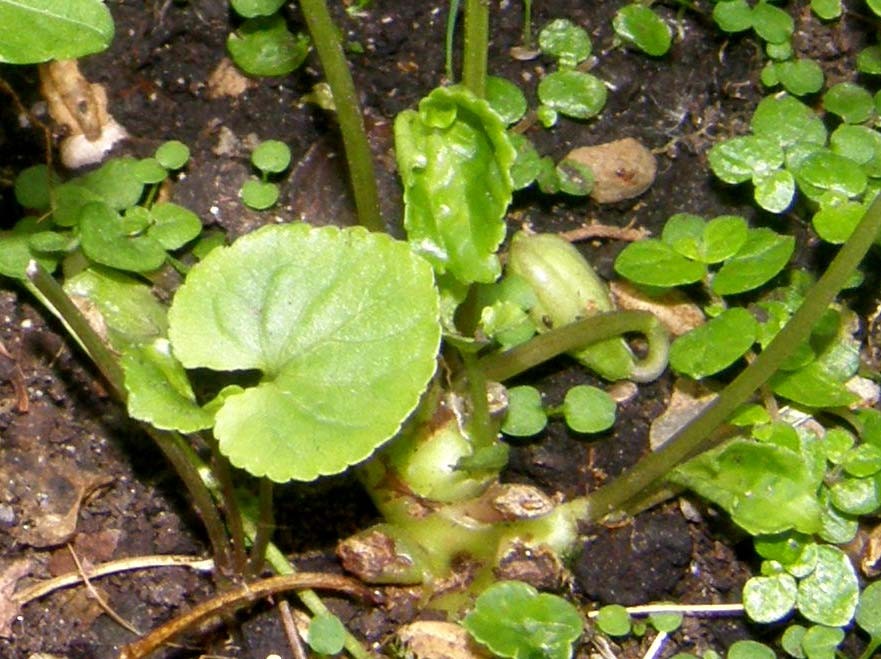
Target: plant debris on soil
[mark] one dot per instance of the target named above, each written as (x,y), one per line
(80,483)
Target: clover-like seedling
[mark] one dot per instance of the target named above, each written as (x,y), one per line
(585,409)
(768,21)
(513,619)
(263,46)
(637,25)
(852,102)
(270,157)
(797,76)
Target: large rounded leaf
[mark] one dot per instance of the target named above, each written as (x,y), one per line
(343,325)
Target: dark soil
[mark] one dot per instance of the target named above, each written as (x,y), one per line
(64,442)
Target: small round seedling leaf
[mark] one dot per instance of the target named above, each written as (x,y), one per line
(573,93)
(149,171)
(739,159)
(774,190)
(326,635)
(863,460)
(768,599)
(513,619)
(259,195)
(15,253)
(856,496)
(588,409)
(750,650)
(655,263)
(799,76)
(771,23)
(574,177)
(506,99)
(527,166)
(271,156)
(106,239)
(70,198)
(868,615)
(684,232)
(639,26)
(52,241)
(829,595)
(764,254)
(826,9)
(265,47)
(786,120)
(173,154)
(820,642)
(525,415)
(344,326)
(779,51)
(614,620)
(716,345)
(666,622)
(252,8)
(174,226)
(565,41)
(159,391)
(825,171)
(116,183)
(849,101)
(869,60)
(791,641)
(733,15)
(859,143)
(722,237)
(32,187)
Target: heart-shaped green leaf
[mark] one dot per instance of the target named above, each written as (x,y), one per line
(344,326)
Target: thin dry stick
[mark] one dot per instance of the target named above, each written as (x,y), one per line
(247,594)
(290,630)
(118,619)
(42,588)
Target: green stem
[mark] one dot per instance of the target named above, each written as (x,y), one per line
(227,495)
(265,527)
(694,437)
(505,365)
(336,70)
(452,19)
(480,424)
(526,36)
(476,46)
(874,644)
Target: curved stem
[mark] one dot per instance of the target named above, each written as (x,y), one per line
(336,70)
(265,527)
(504,365)
(694,437)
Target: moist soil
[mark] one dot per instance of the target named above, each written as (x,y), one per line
(79,478)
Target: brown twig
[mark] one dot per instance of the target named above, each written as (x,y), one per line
(247,594)
(118,619)
(290,630)
(596,230)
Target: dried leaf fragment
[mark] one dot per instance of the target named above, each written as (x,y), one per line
(433,639)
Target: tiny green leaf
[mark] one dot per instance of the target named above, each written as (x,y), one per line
(829,595)
(712,347)
(573,93)
(856,496)
(252,8)
(326,635)
(525,415)
(739,159)
(799,76)
(527,166)
(791,641)
(259,195)
(849,101)
(506,99)
(763,255)
(271,156)
(733,15)
(514,620)
(771,23)
(868,615)
(768,599)
(750,650)
(655,263)
(174,226)
(826,9)
(263,46)
(32,187)
(820,642)
(149,171)
(869,60)
(824,171)
(565,41)
(614,620)
(786,120)
(589,409)
(173,154)
(106,239)
(666,622)
(574,177)
(344,326)
(774,190)
(812,385)
(639,26)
